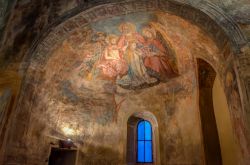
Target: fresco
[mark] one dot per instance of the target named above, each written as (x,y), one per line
(98,67)
(236,109)
(131,53)
(87,86)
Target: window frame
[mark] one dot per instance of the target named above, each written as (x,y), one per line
(137,140)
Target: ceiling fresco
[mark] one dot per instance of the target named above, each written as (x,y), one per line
(114,65)
(98,67)
(93,71)
(88,65)
(131,51)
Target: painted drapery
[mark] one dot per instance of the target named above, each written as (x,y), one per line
(130,54)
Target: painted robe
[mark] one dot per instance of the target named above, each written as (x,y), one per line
(112,64)
(157,62)
(129,38)
(137,73)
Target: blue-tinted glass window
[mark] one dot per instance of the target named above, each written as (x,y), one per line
(144,142)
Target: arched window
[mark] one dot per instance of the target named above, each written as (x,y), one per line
(144,142)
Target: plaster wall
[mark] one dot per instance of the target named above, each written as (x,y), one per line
(228,144)
(59,100)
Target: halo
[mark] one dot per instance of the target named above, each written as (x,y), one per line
(150,30)
(130,25)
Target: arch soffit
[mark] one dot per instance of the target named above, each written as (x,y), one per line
(207,16)
(146,115)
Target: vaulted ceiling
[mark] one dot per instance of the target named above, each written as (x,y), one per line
(24,22)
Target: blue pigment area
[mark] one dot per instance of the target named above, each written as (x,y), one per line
(144,142)
(111,25)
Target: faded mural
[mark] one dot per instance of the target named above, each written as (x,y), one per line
(131,53)
(109,69)
(102,73)
(236,107)
(117,54)
(86,85)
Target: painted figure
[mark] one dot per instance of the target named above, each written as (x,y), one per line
(237,112)
(156,60)
(128,34)
(131,59)
(112,63)
(137,73)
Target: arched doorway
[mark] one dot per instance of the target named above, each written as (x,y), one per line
(206,77)
(229,149)
(218,139)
